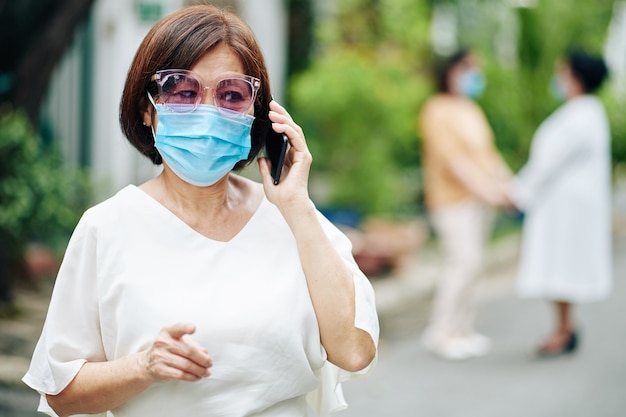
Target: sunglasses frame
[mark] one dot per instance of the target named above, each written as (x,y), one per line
(161,76)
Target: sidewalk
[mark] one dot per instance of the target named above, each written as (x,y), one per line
(19,336)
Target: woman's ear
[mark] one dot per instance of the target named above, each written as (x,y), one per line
(147,116)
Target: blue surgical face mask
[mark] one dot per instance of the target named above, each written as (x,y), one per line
(558,88)
(203,145)
(471,83)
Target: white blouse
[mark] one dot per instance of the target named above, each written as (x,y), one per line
(133,267)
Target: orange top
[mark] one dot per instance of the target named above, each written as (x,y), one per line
(454,129)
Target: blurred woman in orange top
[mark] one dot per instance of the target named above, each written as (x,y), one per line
(464,176)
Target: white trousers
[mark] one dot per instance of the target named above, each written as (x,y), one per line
(461,230)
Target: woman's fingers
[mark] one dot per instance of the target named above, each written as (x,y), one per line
(279,114)
(292,191)
(165,367)
(175,355)
(283,123)
(197,353)
(178,330)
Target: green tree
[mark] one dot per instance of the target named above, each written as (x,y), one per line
(370,72)
(358,100)
(40,31)
(518,97)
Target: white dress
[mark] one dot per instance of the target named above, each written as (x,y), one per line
(132,267)
(565,192)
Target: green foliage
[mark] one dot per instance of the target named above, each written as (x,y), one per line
(359,118)
(617,118)
(518,99)
(502,107)
(39,200)
(357,104)
(358,100)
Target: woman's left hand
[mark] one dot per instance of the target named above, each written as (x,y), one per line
(292,190)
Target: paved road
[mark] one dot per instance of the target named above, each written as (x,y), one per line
(17,402)
(508,383)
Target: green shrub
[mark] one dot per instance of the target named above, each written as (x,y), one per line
(40,201)
(358,100)
(617,118)
(359,116)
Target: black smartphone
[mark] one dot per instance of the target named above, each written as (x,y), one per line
(275,150)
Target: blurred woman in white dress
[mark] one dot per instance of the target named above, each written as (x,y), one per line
(565,191)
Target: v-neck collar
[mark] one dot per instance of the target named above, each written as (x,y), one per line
(173,217)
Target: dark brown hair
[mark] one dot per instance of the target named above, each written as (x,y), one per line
(178,41)
(443,67)
(590,70)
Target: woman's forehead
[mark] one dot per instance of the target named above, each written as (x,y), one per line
(217,61)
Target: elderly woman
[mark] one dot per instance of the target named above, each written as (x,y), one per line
(200,292)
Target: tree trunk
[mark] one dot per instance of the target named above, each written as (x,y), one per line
(7,276)
(35,66)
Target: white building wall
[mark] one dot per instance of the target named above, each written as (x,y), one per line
(61,111)
(268,21)
(117,34)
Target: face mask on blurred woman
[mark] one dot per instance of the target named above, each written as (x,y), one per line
(558,88)
(471,83)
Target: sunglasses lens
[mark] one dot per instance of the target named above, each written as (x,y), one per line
(180,92)
(234,94)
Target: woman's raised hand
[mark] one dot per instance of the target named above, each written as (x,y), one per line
(292,190)
(175,355)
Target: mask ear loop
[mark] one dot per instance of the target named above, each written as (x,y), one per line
(155,108)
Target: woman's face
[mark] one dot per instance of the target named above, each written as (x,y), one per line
(466,78)
(217,62)
(570,84)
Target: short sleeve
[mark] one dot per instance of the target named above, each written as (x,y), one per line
(71,332)
(328,397)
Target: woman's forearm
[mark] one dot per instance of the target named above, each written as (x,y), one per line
(101,386)
(331,286)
